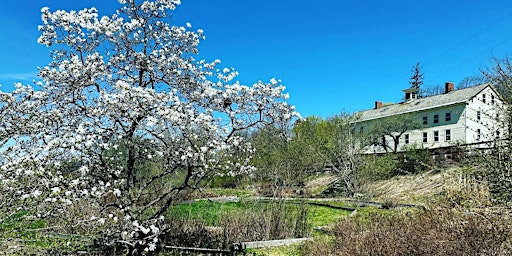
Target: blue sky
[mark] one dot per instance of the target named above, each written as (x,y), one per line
(333,55)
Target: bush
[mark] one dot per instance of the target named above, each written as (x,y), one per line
(430,232)
(226,181)
(217,225)
(376,167)
(466,191)
(412,161)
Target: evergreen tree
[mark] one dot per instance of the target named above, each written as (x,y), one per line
(416,80)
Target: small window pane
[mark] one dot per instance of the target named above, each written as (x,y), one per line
(448,116)
(436,119)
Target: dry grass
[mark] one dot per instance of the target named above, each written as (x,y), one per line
(320,183)
(459,221)
(431,232)
(260,221)
(424,188)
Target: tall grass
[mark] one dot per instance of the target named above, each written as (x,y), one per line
(216,225)
(430,232)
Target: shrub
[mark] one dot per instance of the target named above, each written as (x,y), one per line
(467,191)
(226,182)
(430,232)
(376,168)
(221,225)
(412,161)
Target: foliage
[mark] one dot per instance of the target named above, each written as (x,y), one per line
(375,167)
(126,118)
(226,181)
(281,163)
(495,168)
(414,160)
(332,145)
(382,167)
(314,145)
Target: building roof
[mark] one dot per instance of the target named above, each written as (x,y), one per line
(436,101)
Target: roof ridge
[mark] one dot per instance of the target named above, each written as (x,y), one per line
(420,104)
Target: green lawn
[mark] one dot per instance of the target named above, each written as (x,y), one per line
(210,212)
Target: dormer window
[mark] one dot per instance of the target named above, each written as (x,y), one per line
(411,93)
(410,96)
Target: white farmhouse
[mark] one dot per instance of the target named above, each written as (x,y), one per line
(471,116)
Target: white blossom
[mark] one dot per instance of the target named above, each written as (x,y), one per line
(105,110)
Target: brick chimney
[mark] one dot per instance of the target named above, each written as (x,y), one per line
(378,104)
(449,87)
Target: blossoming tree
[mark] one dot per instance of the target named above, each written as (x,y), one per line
(126,118)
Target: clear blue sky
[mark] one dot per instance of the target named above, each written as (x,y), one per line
(333,55)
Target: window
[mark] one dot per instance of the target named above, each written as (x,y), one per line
(478,133)
(483,98)
(448,117)
(436,119)
(447,135)
(497,134)
(425,120)
(436,135)
(425,137)
(478,115)
(406,137)
(492,99)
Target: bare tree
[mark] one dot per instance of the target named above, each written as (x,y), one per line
(500,75)
(471,81)
(496,159)
(393,128)
(431,90)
